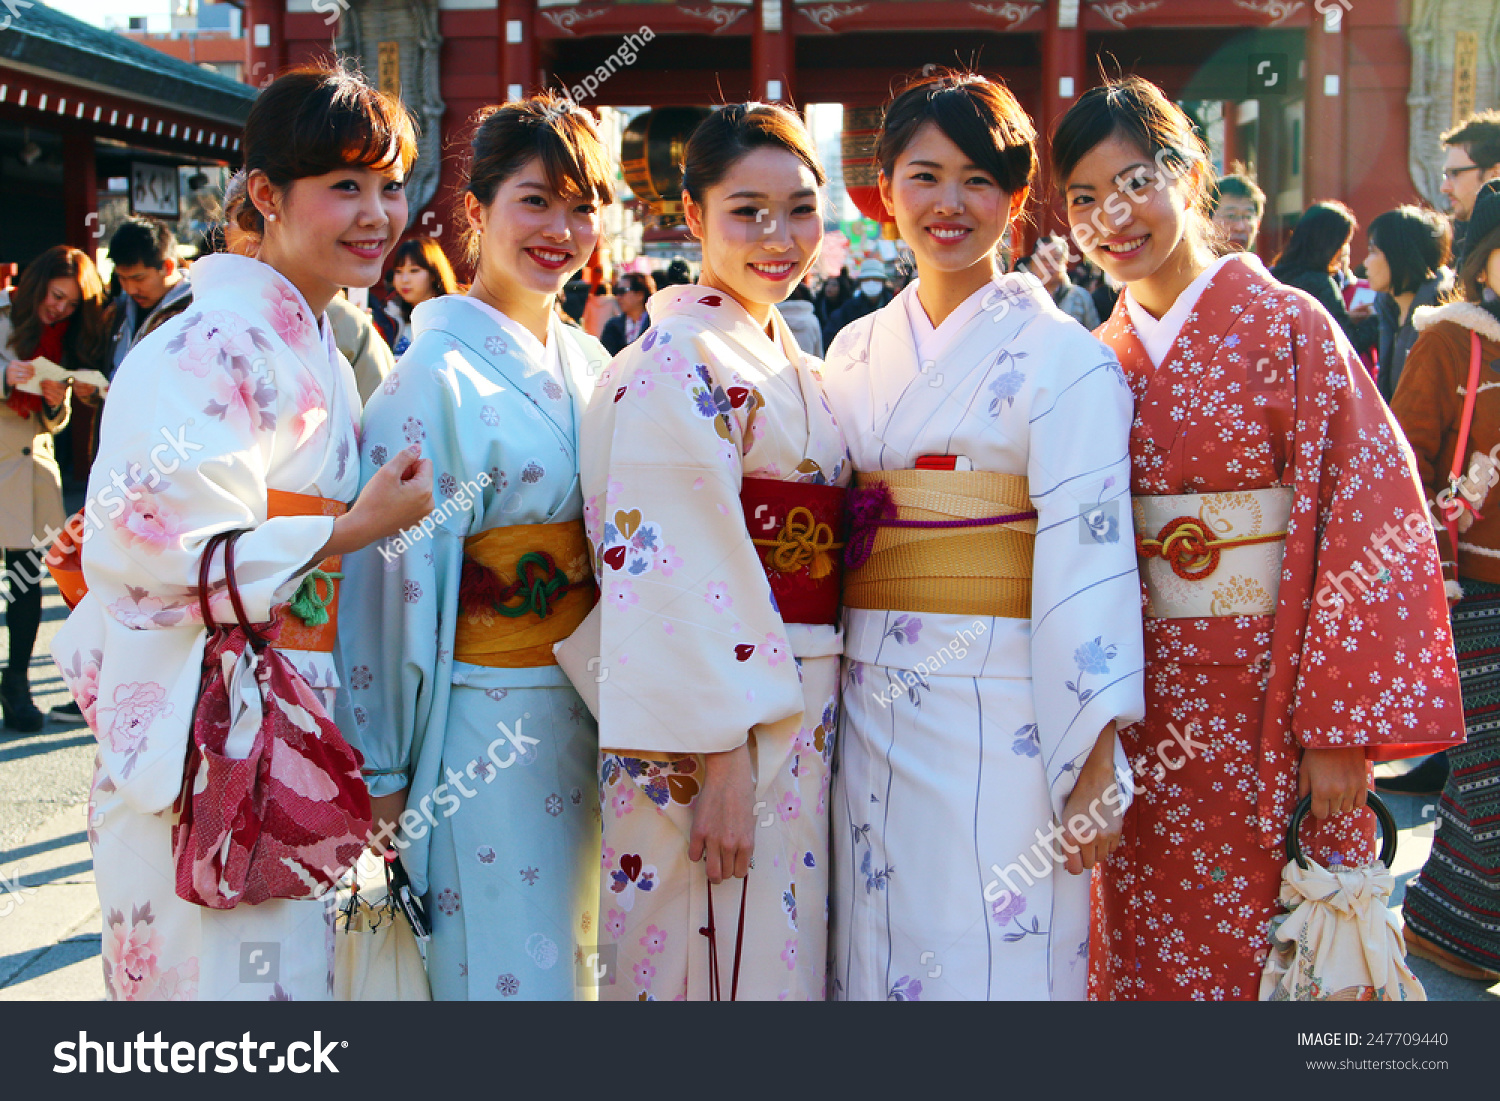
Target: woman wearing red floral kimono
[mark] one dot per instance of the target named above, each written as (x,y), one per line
(1296,622)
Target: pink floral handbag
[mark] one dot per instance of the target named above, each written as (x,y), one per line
(290,817)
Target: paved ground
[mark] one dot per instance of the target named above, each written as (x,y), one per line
(49,913)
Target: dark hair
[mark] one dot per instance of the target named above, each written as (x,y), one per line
(800,293)
(637,281)
(145,241)
(319,118)
(1480,137)
(1237,185)
(83,342)
(1415,243)
(1139,112)
(428,255)
(1476,259)
(1318,237)
(979,115)
(546,127)
(720,140)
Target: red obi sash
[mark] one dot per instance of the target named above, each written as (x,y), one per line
(794,526)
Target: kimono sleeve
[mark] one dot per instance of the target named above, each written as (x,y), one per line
(401,594)
(184,454)
(1375,665)
(1086,642)
(693,652)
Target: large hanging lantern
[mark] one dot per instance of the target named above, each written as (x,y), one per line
(651,152)
(861,169)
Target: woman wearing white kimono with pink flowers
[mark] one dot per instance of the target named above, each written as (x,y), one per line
(711,470)
(227,413)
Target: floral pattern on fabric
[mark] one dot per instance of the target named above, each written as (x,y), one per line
(1261,389)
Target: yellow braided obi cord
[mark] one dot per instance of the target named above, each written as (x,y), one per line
(1212,554)
(982,571)
(524,642)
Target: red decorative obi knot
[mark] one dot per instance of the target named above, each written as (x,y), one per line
(1186,545)
(795,527)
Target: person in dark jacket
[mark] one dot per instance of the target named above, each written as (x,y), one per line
(1471,158)
(1405,265)
(872,292)
(625,328)
(1320,247)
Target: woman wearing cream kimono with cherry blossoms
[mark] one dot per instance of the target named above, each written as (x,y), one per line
(264,411)
(710,471)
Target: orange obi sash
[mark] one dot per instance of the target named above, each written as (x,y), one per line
(792,525)
(310,621)
(524,588)
(313,622)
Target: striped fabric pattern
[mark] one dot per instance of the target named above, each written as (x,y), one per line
(1455,902)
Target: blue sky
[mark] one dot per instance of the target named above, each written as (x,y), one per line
(94,11)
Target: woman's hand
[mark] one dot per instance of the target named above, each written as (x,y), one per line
(84,391)
(54,393)
(724,817)
(398,496)
(18,372)
(385,810)
(1337,778)
(1091,842)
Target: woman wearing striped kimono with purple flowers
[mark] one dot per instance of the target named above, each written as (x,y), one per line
(992,611)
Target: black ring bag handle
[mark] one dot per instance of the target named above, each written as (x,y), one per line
(1382,815)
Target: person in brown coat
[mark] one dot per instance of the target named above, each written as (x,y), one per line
(56,311)
(1450,906)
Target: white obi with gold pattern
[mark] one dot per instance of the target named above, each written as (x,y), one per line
(1212,554)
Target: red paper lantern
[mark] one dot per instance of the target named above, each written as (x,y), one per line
(861,169)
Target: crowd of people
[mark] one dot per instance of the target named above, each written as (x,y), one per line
(993,618)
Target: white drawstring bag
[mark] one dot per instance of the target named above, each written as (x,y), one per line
(377,957)
(1341,942)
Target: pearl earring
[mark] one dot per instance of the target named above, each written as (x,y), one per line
(271,217)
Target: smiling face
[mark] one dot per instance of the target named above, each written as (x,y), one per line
(1130,215)
(412,282)
(532,237)
(951,212)
(333,230)
(761,228)
(60,300)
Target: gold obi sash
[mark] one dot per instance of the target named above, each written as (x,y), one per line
(520,593)
(311,620)
(940,564)
(1212,554)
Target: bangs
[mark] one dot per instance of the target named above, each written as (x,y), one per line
(334,120)
(573,158)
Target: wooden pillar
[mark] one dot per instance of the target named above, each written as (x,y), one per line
(1064,63)
(1231,134)
(772,58)
(265,29)
(80,191)
(516,60)
(1324,175)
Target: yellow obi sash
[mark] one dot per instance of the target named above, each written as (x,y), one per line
(1212,554)
(524,588)
(947,542)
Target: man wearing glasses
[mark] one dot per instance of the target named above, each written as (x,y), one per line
(1472,157)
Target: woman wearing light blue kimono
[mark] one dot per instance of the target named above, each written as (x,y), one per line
(472,735)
